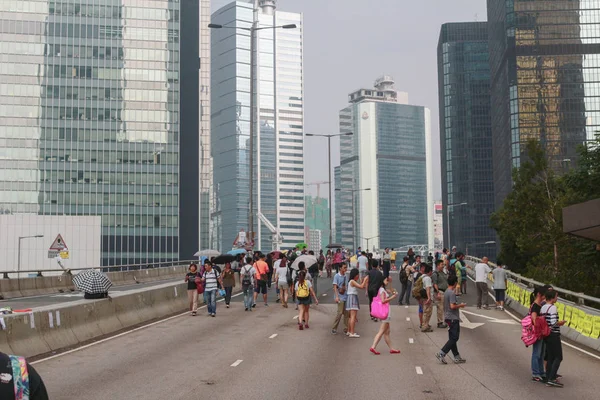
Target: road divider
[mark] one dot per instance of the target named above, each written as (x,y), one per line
(54,328)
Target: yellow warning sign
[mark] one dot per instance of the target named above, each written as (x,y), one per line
(64,255)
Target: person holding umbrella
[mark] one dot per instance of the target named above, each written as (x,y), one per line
(93,284)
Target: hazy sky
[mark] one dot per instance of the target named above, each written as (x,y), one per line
(349,43)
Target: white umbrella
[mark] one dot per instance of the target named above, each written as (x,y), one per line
(307,259)
(207,253)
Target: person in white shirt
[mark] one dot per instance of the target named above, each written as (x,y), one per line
(363,262)
(481,273)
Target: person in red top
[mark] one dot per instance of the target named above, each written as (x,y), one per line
(262,277)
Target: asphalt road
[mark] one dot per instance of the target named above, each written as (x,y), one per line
(262,355)
(19,303)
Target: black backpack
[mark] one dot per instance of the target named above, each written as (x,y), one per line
(403,275)
(288,276)
(247,277)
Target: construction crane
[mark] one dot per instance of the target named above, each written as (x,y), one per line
(318,185)
(276,239)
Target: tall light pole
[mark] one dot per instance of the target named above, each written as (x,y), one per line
(253,109)
(19,253)
(329,170)
(371,238)
(353,213)
(449,245)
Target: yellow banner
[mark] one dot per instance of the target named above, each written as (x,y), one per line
(569,317)
(587,324)
(596,328)
(561,310)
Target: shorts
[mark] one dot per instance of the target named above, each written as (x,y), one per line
(304,301)
(500,294)
(283,285)
(352,302)
(420,308)
(261,287)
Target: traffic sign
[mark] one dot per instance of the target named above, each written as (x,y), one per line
(59,244)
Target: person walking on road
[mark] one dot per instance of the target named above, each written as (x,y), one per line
(262,278)
(281,275)
(212,281)
(363,265)
(405,277)
(352,305)
(428,300)
(386,296)
(228,283)
(482,270)
(552,341)
(452,317)
(337,259)
(340,288)
(247,279)
(387,262)
(499,274)
(19,380)
(304,292)
(440,285)
(193,279)
(373,282)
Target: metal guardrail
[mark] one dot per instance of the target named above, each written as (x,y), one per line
(580,298)
(117,268)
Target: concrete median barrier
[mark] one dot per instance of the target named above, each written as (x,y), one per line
(9,288)
(61,326)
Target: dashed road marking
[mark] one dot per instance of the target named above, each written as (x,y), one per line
(408,319)
(419,370)
(405,306)
(295,317)
(324,294)
(273,336)
(238,362)
(411,340)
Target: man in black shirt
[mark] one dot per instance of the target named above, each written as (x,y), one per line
(12,380)
(375,278)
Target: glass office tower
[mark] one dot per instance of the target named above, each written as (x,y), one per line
(466,137)
(385,180)
(279,152)
(545,80)
(89,118)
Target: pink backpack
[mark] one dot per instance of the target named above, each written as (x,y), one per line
(528,334)
(379,310)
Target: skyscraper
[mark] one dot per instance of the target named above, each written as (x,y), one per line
(466,137)
(544,60)
(90,119)
(278,159)
(385,182)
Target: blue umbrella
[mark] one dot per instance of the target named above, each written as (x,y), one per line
(237,251)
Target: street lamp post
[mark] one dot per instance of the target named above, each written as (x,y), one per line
(329,193)
(353,213)
(19,253)
(253,109)
(371,238)
(449,245)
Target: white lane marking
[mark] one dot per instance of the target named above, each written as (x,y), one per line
(295,317)
(408,319)
(324,294)
(273,336)
(238,362)
(563,342)
(419,370)
(405,306)
(411,340)
(119,335)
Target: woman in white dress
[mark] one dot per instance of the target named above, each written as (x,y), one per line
(386,296)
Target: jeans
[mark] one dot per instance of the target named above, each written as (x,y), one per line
(406,292)
(386,269)
(341,312)
(210,299)
(482,289)
(248,296)
(453,336)
(555,356)
(228,291)
(537,359)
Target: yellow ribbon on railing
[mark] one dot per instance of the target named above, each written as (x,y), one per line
(596,327)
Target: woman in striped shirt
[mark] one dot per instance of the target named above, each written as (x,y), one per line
(553,343)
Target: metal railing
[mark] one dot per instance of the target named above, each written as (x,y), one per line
(116,268)
(578,298)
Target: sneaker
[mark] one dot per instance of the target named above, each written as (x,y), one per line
(266,305)
(333,332)
(227,305)
(301,327)
(353,335)
(486,307)
(441,357)
(278,300)
(193,313)
(428,329)
(479,307)
(537,379)
(459,360)
(246,309)
(347,333)
(443,325)
(212,315)
(306,326)
(254,305)
(345,330)
(554,383)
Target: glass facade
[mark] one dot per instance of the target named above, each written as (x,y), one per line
(278,158)
(383,173)
(466,137)
(545,80)
(89,118)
